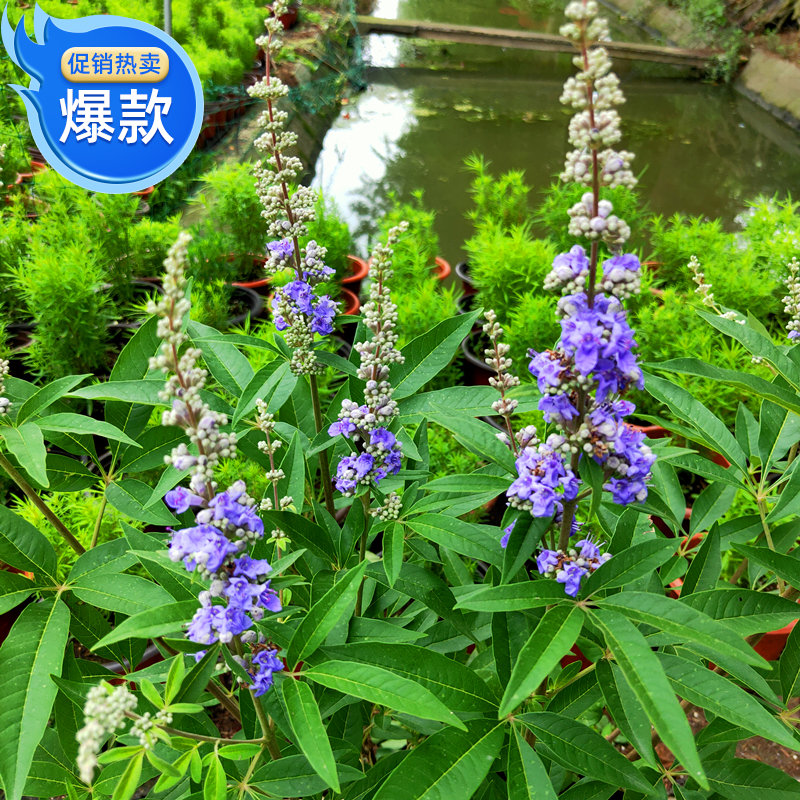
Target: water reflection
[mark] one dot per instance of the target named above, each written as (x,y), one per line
(704,149)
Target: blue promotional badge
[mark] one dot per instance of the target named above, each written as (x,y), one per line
(114,104)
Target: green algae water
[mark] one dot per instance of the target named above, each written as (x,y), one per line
(701,149)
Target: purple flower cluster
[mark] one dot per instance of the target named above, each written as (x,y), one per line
(600,343)
(214,547)
(298,298)
(570,568)
(265,663)
(544,480)
(381,454)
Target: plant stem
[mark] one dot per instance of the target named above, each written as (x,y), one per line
(250,770)
(32,495)
(266,727)
(362,547)
(324,466)
(98,522)
(767,534)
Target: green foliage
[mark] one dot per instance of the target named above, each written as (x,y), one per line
(501,201)
(329,229)
(505,264)
(532,324)
(417,248)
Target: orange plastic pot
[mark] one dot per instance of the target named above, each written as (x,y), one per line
(442,268)
(352,305)
(359,269)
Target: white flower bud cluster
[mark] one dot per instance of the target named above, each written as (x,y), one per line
(145,729)
(286,214)
(185,380)
(620,282)
(496,357)
(103,713)
(706,295)
(380,314)
(599,224)
(594,92)
(5,403)
(791,303)
(390,509)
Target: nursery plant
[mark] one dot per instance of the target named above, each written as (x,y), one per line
(345,633)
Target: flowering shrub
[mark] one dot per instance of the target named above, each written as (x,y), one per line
(349,634)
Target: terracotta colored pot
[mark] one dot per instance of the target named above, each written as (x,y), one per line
(770,645)
(650,431)
(352,305)
(256,285)
(255,302)
(145,193)
(289,19)
(575,655)
(38,166)
(359,269)
(442,268)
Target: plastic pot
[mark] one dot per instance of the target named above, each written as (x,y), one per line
(476,371)
(462,271)
(352,305)
(253,300)
(359,269)
(441,269)
(289,19)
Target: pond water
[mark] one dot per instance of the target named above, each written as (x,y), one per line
(703,149)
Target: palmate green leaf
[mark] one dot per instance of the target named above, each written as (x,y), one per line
(14,589)
(784,566)
(309,732)
(580,749)
(26,444)
(757,343)
(393,545)
(293,776)
(588,789)
(710,429)
(131,497)
(264,385)
(526,776)
(789,667)
(33,651)
(423,585)
(456,685)
(154,444)
(429,353)
(154,622)
(80,424)
(635,562)
(303,532)
(525,537)
(626,710)
(448,765)
(723,698)
(788,504)
(711,504)
(324,615)
(48,394)
(643,672)
(684,622)
(24,547)
(752,384)
(477,436)
(468,483)
(128,594)
(701,466)
(745,611)
(51,769)
(744,779)
(521,596)
(129,781)
(110,556)
(470,401)
(550,641)
(576,697)
(466,538)
(378,685)
(293,464)
(706,565)
(67,474)
(215,785)
(229,368)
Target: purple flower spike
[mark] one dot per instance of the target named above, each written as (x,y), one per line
(571,577)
